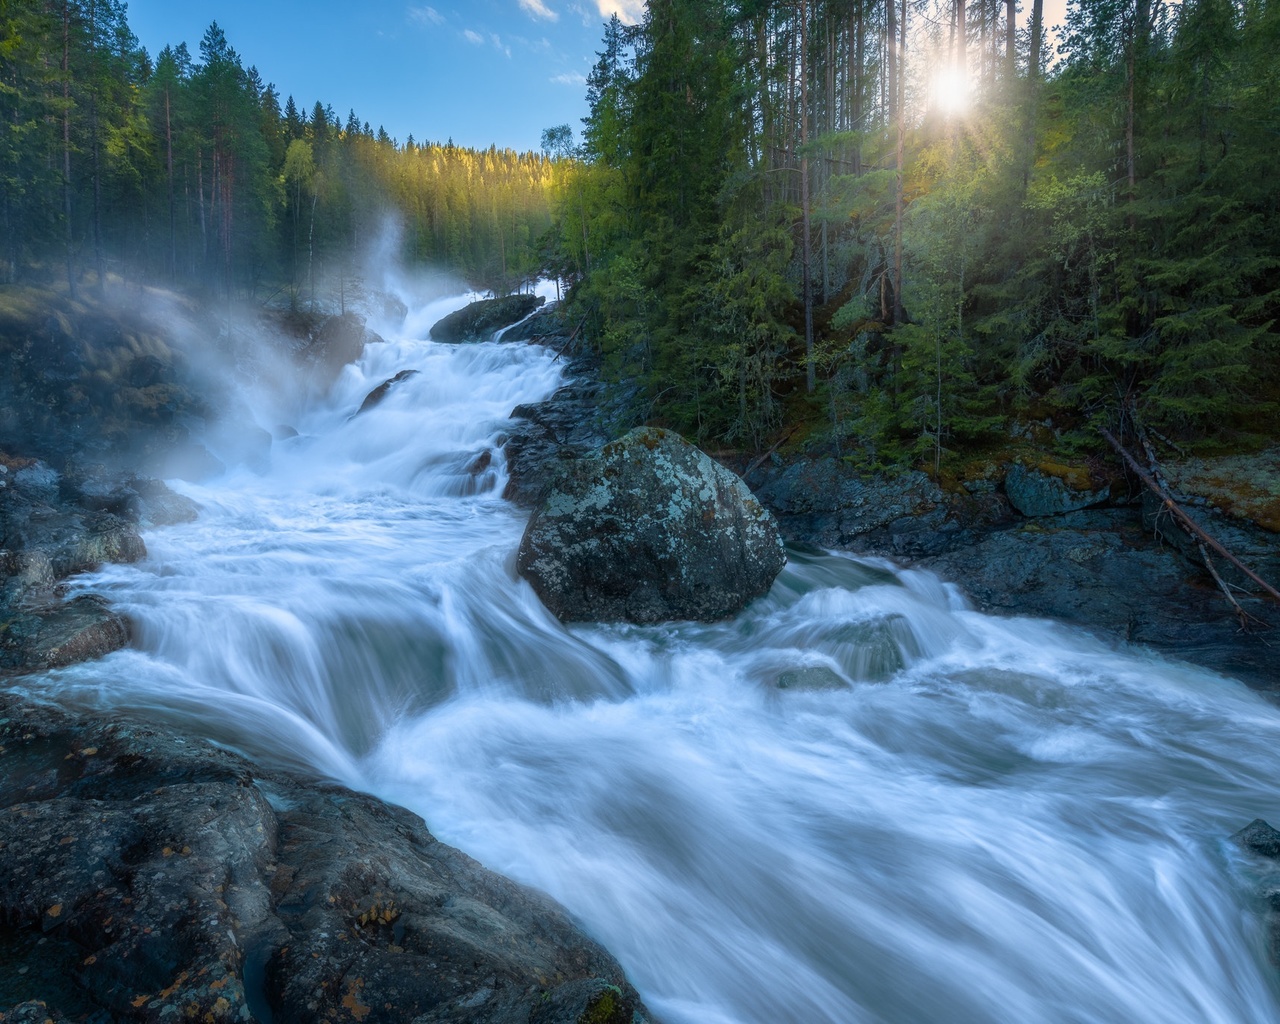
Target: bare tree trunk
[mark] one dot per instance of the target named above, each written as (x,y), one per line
(66,144)
(858,86)
(811,380)
(1011,38)
(898,196)
(890,83)
(95,147)
(1037,33)
(311,250)
(173,213)
(204,223)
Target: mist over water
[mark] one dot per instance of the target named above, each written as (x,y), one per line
(938,816)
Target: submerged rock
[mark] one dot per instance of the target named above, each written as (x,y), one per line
(1260,838)
(376,396)
(649,529)
(482,318)
(144,877)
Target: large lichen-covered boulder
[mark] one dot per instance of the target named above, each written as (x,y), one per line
(649,529)
(483,317)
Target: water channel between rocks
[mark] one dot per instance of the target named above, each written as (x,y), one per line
(857,801)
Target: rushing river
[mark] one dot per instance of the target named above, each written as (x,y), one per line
(995,820)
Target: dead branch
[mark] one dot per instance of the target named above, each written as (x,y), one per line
(581,324)
(1245,617)
(759,461)
(1184,520)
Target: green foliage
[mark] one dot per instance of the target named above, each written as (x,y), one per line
(190,172)
(1081,241)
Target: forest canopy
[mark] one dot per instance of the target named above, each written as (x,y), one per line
(893,228)
(190,170)
(907,225)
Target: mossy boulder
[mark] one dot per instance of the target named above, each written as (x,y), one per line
(1052,490)
(482,318)
(649,529)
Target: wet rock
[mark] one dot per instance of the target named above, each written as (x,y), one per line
(482,318)
(567,426)
(337,341)
(479,463)
(1100,570)
(375,397)
(825,502)
(158,505)
(146,878)
(78,630)
(34,1011)
(1036,493)
(546,326)
(1260,838)
(811,678)
(646,530)
(50,529)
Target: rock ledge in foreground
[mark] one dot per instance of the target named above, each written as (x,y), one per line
(146,877)
(649,529)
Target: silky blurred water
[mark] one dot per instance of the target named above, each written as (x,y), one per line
(857,801)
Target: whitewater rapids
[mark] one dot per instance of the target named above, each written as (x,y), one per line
(988,820)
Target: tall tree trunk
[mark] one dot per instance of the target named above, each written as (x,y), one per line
(66,144)
(962,42)
(1011,39)
(890,84)
(95,148)
(806,284)
(204,222)
(858,86)
(898,189)
(173,212)
(1037,34)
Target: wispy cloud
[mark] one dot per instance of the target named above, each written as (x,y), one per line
(499,45)
(629,12)
(426,16)
(569,78)
(474,38)
(538,9)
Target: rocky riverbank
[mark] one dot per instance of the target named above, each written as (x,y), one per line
(1021,537)
(145,875)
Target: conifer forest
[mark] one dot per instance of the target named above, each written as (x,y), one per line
(891,228)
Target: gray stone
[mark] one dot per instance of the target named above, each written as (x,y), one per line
(1035,493)
(1260,838)
(646,530)
(812,677)
(482,318)
(375,397)
(146,877)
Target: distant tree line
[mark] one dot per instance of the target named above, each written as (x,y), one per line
(186,170)
(899,227)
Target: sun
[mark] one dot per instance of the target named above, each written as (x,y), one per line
(951,90)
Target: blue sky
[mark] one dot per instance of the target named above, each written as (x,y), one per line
(484,72)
